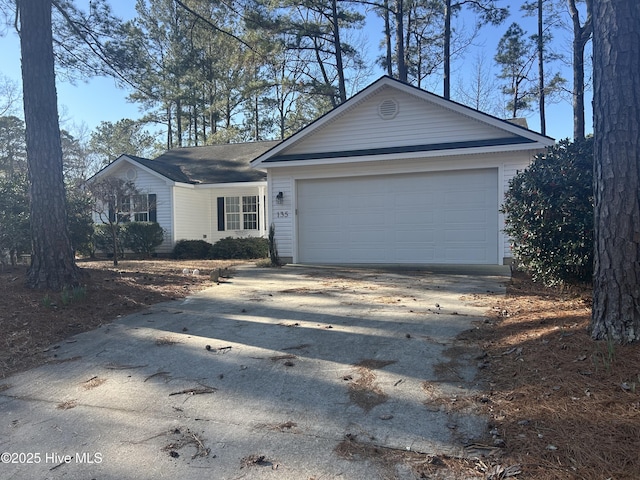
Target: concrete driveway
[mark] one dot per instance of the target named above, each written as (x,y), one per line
(271,374)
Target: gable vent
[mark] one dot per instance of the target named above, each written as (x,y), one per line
(388,109)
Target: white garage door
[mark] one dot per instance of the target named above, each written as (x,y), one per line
(444,217)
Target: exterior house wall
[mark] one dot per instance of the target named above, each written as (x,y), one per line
(283,179)
(192,213)
(152,184)
(209,194)
(189,212)
(417,122)
(282,214)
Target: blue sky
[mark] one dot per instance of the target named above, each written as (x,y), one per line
(99,99)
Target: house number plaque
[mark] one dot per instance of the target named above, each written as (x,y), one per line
(282,214)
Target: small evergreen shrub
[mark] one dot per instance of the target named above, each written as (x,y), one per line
(240,248)
(549,209)
(103,241)
(142,237)
(191,250)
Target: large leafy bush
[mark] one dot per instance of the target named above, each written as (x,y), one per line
(240,248)
(549,209)
(103,238)
(142,237)
(191,250)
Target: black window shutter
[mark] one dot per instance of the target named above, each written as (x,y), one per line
(153,213)
(220,214)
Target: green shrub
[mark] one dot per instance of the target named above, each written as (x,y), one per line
(103,240)
(191,250)
(549,209)
(240,248)
(80,223)
(142,237)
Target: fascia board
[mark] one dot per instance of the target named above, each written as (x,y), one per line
(408,156)
(229,185)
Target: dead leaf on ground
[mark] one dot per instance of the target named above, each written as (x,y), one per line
(93,382)
(67,405)
(255,460)
(282,357)
(195,391)
(182,437)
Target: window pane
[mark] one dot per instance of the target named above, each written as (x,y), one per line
(232,209)
(250,221)
(140,203)
(232,204)
(250,204)
(125,204)
(233,221)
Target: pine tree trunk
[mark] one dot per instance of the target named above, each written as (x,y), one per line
(342,89)
(387,38)
(52,260)
(447,50)
(616,65)
(400,53)
(541,94)
(581,35)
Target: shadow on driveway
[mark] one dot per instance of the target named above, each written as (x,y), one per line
(259,377)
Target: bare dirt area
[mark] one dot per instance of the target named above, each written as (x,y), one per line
(33,320)
(561,406)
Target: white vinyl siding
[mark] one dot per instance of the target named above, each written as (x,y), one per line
(192,213)
(416,123)
(282,214)
(249,214)
(197,211)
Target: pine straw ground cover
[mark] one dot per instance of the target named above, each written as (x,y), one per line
(565,406)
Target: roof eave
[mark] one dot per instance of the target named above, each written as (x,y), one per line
(533,147)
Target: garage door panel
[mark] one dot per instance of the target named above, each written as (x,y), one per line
(464,236)
(415,237)
(414,219)
(445,217)
(465,217)
(368,237)
(366,202)
(367,219)
(410,200)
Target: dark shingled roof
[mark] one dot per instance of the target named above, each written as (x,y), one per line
(226,163)
(172,172)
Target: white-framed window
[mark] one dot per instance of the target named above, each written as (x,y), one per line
(241,213)
(137,208)
(250,212)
